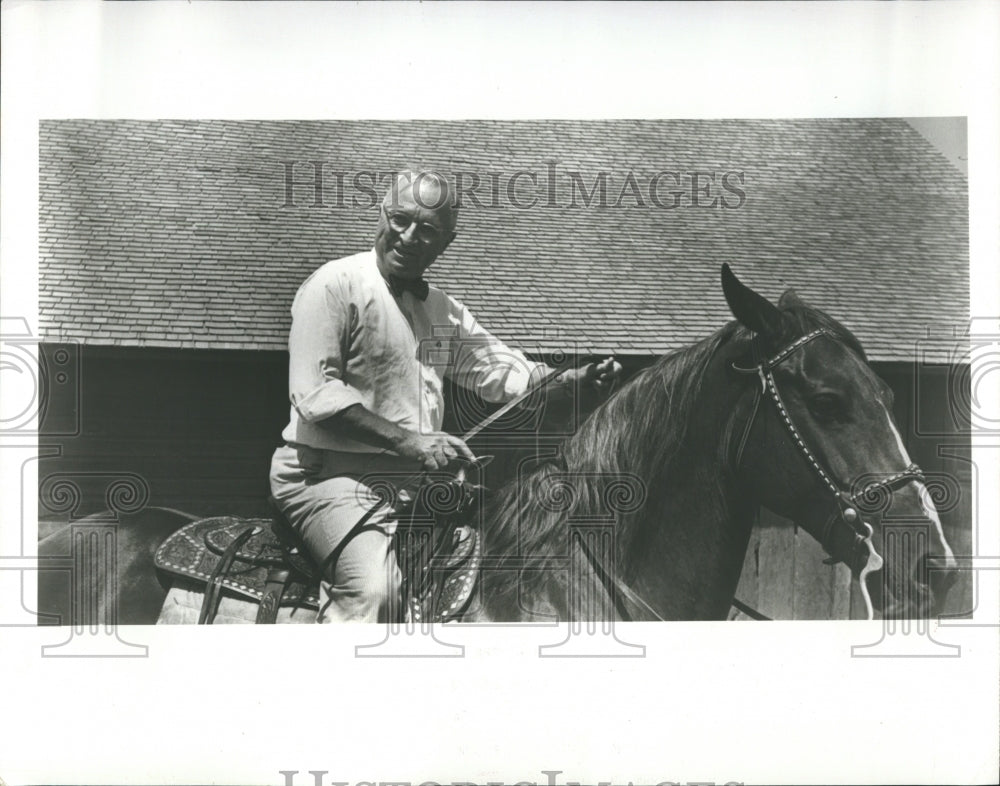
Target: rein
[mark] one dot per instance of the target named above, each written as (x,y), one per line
(618,589)
(859,531)
(543,383)
(358,527)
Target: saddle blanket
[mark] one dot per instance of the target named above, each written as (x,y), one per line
(183,605)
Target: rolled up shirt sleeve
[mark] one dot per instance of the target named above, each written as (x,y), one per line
(484,364)
(318,345)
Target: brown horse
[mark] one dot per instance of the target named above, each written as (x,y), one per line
(647,511)
(778,409)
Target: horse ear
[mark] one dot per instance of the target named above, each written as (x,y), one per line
(751,309)
(790,298)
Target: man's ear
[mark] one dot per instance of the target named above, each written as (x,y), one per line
(752,310)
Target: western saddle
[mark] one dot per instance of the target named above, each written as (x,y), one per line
(263,560)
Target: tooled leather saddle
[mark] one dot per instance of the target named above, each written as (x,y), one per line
(262,560)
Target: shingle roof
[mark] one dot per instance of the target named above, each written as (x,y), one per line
(180,233)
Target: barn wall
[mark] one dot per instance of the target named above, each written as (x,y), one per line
(198,428)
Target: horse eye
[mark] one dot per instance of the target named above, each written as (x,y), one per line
(825,406)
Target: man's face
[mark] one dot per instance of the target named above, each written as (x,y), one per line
(413,229)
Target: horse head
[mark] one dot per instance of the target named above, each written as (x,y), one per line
(819,446)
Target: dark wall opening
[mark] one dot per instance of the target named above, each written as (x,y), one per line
(196,429)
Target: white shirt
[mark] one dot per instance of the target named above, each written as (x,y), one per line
(353,342)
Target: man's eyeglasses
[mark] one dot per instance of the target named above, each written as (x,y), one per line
(400,222)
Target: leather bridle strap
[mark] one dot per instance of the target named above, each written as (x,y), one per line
(750,611)
(846,503)
(764,371)
(274,588)
(762,368)
(616,588)
(758,395)
(210,603)
(543,383)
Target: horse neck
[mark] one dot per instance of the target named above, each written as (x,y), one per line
(688,556)
(683,548)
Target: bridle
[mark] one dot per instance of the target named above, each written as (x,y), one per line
(851,526)
(847,521)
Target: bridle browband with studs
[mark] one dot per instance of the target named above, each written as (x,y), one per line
(847,503)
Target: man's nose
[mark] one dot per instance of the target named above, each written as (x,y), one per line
(409,235)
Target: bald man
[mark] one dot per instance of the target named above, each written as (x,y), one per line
(370,344)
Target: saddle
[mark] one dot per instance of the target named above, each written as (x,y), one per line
(251,558)
(263,561)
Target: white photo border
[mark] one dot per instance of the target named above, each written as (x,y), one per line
(777,702)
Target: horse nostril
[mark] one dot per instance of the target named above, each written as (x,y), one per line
(941,575)
(941,565)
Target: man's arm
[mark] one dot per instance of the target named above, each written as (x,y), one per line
(432,451)
(498,373)
(601,376)
(323,318)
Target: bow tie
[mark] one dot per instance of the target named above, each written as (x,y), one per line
(417,286)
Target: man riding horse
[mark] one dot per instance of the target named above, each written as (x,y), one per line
(778,409)
(369,344)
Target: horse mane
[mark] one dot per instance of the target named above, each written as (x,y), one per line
(620,450)
(636,435)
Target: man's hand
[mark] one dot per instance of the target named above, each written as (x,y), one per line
(603,375)
(433,451)
(600,376)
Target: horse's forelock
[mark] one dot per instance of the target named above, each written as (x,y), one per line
(804,318)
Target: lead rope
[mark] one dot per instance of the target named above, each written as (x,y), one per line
(874,563)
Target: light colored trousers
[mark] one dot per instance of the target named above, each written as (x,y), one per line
(323,494)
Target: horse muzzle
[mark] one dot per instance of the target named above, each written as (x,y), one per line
(942,573)
(846,538)
(915,583)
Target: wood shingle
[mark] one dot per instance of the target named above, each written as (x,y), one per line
(190,233)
